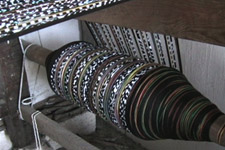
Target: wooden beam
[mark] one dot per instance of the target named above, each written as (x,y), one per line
(202,20)
(36,53)
(61,135)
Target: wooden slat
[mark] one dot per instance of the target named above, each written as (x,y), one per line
(201,20)
(61,135)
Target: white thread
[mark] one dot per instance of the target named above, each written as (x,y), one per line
(22,77)
(28,100)
(35,128)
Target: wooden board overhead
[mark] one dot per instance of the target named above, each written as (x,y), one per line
(201,20)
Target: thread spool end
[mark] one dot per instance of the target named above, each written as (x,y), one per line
(217,131)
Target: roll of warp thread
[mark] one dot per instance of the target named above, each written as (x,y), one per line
(150,101)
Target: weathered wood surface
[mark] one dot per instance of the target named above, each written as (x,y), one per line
(58,109)
(19,131)
(202,20)
(109,137)
(59,134)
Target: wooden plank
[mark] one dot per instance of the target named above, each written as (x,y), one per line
(61,135)
(202,20)
(58,109)
(19,131)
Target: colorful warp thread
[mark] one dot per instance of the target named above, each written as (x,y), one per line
(152,47)
(17,16)
(151,101)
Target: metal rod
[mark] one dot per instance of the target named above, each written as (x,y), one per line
(61,135)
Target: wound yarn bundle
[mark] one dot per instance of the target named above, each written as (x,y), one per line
(149,100)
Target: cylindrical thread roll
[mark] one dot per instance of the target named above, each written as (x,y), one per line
(151,101)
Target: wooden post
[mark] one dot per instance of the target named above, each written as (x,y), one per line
(20,132)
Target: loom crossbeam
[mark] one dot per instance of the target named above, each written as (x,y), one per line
(61,135)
